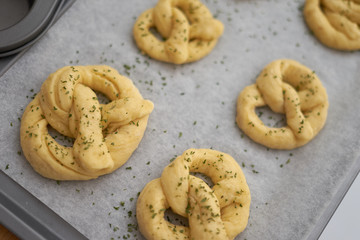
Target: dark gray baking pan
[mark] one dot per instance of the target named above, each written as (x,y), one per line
(22,23)
(28,218)
(25,24)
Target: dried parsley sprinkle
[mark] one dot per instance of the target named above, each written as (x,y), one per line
(251,123)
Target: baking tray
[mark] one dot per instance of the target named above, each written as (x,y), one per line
(111,43)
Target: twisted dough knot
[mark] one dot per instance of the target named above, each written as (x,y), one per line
(286,87)
(190,33)
(105,135)
(336,23)
(218,213)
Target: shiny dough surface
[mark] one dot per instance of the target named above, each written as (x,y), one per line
(219,213)
(105,134)
(290,88)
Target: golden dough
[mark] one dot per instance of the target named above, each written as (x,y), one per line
(287,87)
(106,135)
(220,212)
(336,23)
(189,30)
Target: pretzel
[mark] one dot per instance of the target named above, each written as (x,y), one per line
(189,30)
(287,87)
(106,135)
(220,212)
(336,23)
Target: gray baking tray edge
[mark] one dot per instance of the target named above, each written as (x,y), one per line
(339,196)
(21,212)
(27,217)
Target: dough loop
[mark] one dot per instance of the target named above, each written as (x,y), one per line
(105,135)
(220,212)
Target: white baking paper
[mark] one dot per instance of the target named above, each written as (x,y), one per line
(288,196)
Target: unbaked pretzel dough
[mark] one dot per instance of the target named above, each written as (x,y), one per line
(106,135)
(217,213)
(336,23)
(287,87)
(188,27)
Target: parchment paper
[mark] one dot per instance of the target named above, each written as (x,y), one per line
(288,196)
